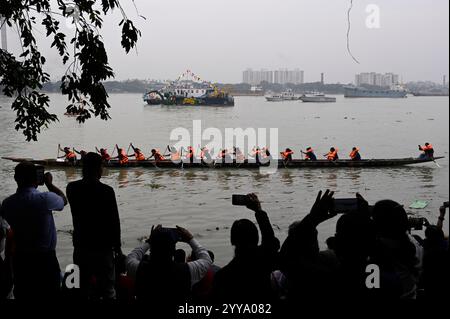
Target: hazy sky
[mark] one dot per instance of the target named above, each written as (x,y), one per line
(218,39)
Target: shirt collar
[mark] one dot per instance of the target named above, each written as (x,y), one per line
(27,190)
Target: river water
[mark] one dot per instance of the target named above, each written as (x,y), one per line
(200,200)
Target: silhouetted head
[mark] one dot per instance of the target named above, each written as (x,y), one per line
(92,166)
(153,151)
(332,149)
(25,175)
(66,149)
(288,150)
(434,236)
(354,237)
(427,144)
(309,149)
(162,245)
(355,148)
(390,219)
(137,149)
(244,235)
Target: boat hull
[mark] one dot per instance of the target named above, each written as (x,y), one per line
(246,165)
(366,93)
(322,99)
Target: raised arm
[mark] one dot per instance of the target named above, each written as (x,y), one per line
(269,243)
(48,179)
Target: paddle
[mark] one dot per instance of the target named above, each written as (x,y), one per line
(439,166)
(59,148)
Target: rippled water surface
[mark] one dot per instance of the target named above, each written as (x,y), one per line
(201,199)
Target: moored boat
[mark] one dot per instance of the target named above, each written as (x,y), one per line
(284,96)
(248,164)
(317,98)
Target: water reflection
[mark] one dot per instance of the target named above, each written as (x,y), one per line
(123,178)
(287,177)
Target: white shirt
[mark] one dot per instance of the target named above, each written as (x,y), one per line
(197,268)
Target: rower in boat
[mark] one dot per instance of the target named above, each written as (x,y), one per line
(428,151)
(355,155)
(69,155)
(205,155)
(256,154)
(225,157)
(238,155)
(82,153)
(138,155)
(310,155)
(287,155)
(332,155)
(156,154)
(104,154)
(122,157)
(190,154)
(175,156)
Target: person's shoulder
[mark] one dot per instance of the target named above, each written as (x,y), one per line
(75,185)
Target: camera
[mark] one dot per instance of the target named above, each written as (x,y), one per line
(345,205)
(416,223)
(240,200)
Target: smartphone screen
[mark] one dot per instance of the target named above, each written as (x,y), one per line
(345,205)
(174,233)
(240,200)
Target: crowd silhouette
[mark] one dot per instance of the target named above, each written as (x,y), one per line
(262,271)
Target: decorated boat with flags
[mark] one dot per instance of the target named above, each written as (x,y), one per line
(189,89)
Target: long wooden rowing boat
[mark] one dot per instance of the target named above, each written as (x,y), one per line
(247,165)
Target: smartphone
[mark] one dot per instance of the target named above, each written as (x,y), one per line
(345,205)
(174,233)
(40,173)
(240,200)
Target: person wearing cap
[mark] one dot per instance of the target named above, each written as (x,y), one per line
(29,213)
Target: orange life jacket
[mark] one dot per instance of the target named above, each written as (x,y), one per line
(354,153)
(175,156)
(106,157)
(123,158)
(428,148)
(286,155)
(332,156)
(158,156)
(139,156)
(71,155)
